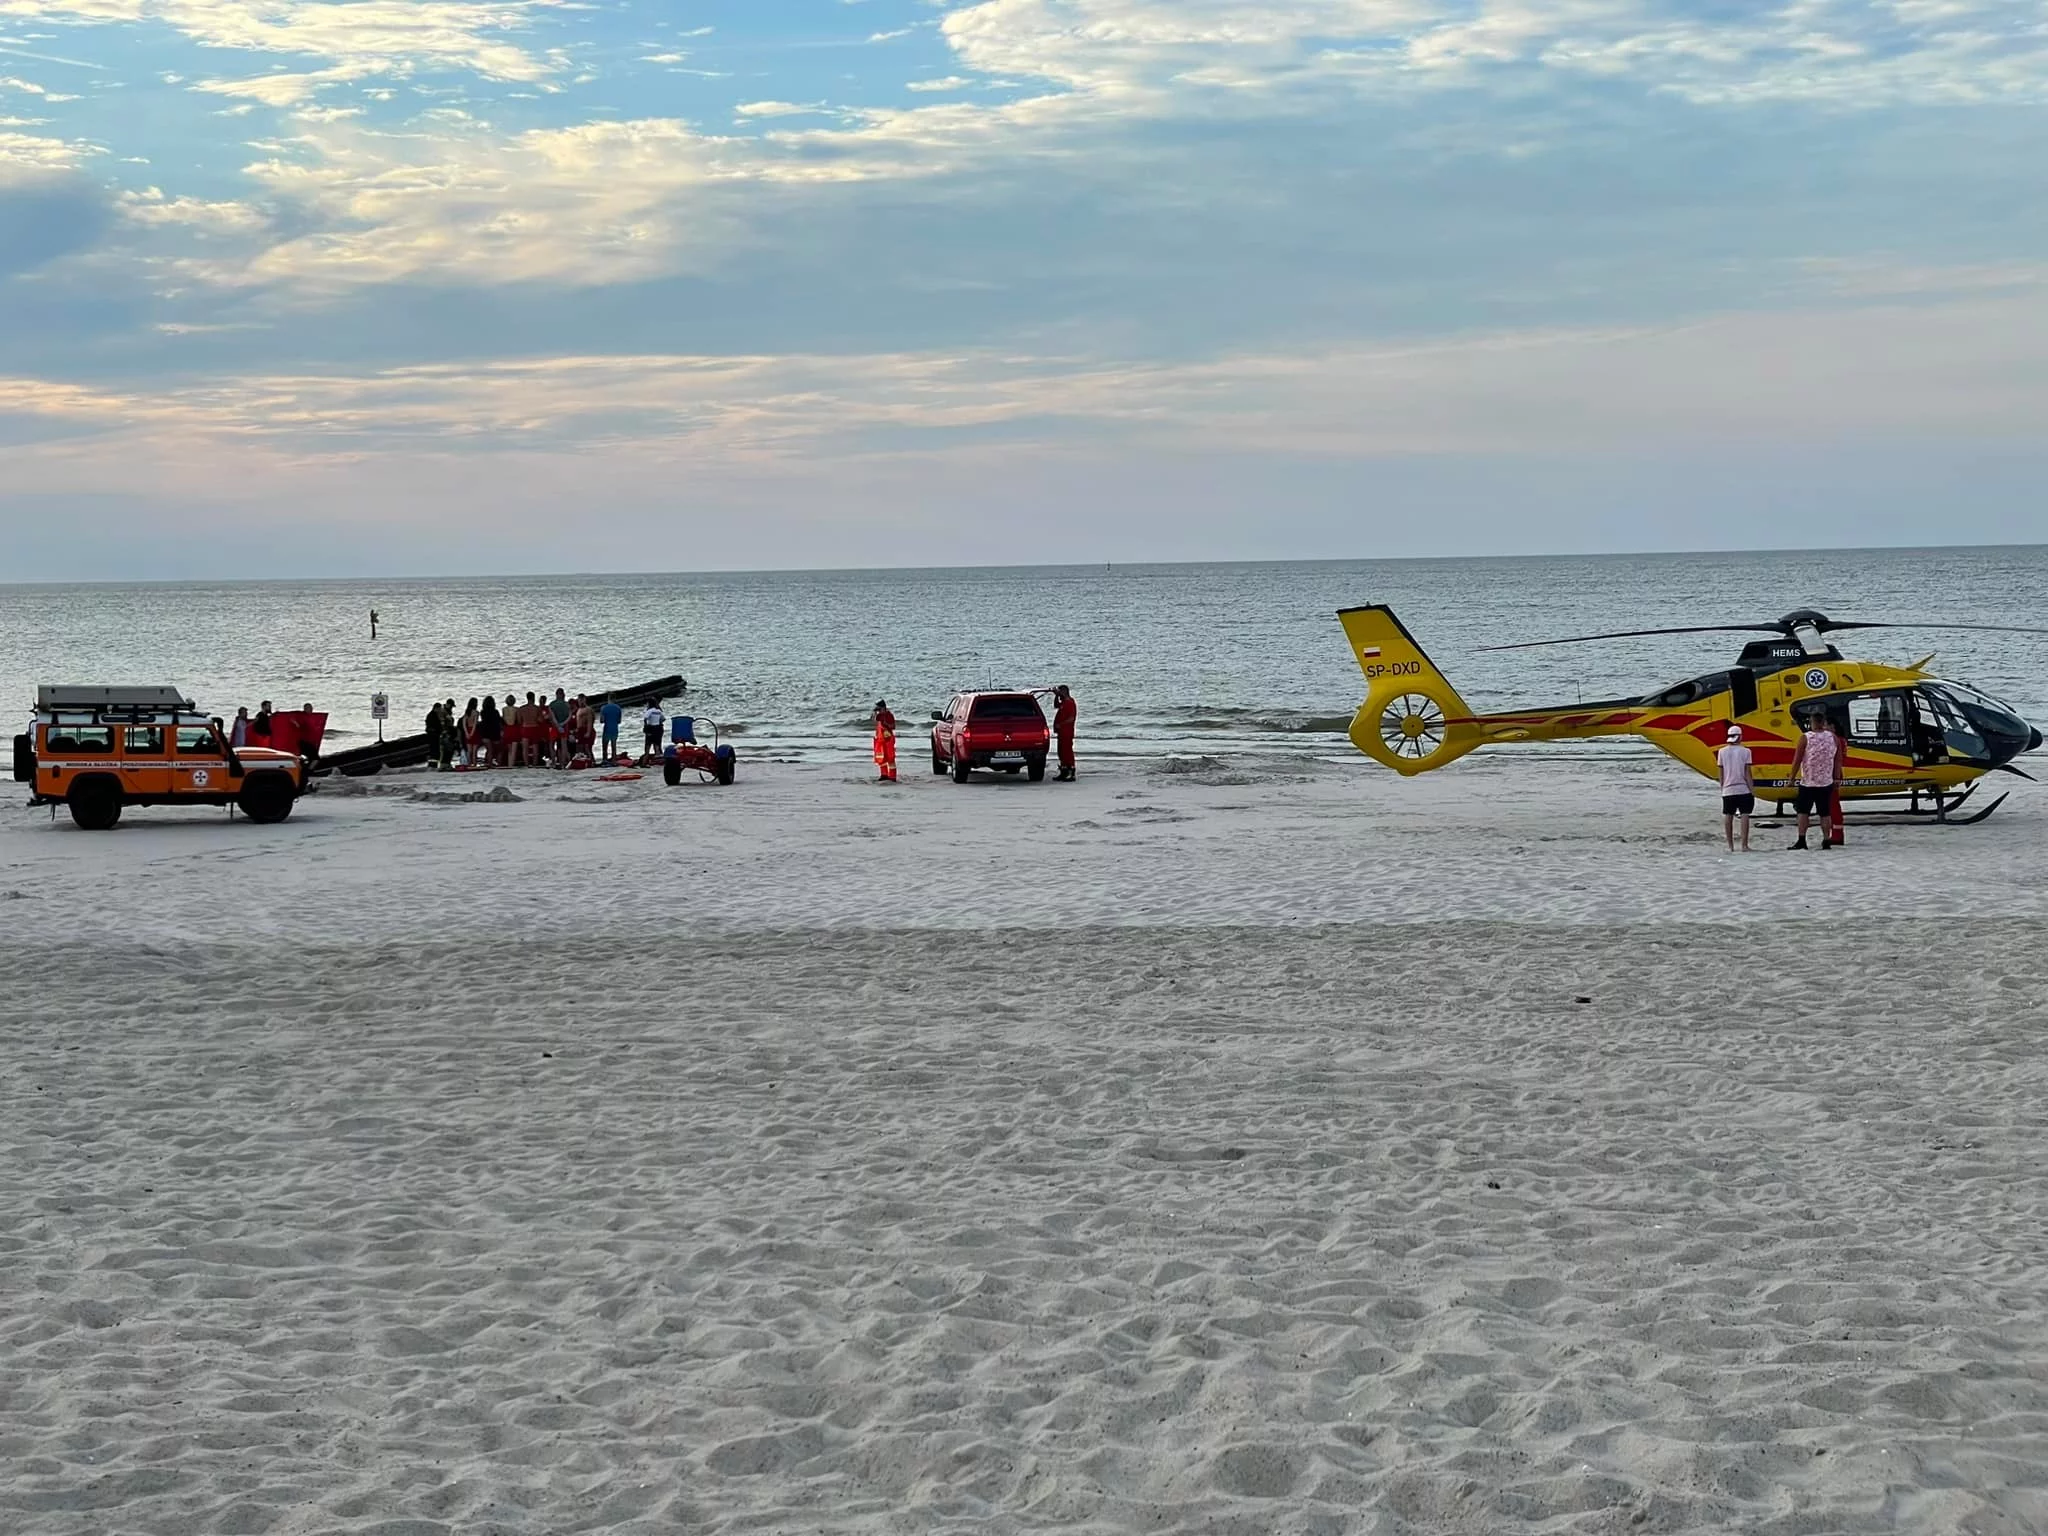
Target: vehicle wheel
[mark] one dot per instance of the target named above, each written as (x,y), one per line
(728,766)
(266,798)
(1035,766)
(95,805)
(938,762)
(960,770)
(671,771)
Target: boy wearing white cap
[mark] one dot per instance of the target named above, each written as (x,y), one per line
(1738,789)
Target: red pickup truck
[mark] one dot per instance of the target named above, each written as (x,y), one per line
(1003,731)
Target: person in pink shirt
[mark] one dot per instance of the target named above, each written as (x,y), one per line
(1813,774)
(1738,789)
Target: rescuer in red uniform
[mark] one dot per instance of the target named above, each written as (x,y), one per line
(1063,712)
(885,742)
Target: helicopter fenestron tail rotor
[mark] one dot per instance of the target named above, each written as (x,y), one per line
(1412,726)
(1805,625)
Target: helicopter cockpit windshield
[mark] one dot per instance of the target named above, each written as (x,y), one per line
(1974,726)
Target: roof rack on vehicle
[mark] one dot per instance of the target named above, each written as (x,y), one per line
(60,696)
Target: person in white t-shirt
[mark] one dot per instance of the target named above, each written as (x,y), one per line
(1738,788)
(650,726)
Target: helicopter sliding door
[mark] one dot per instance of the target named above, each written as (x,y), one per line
(1880,721)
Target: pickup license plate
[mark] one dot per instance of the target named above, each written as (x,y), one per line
(1007,757)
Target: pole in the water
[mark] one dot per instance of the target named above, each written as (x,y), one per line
(373,623)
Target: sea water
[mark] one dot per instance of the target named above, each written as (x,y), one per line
(1163,658)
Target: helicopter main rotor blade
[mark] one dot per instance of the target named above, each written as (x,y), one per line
(1630,634)
(2003,629)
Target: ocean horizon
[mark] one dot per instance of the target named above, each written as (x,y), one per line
(1178,657)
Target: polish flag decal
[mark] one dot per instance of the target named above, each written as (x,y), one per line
(1369,650)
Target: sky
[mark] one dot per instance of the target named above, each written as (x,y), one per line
(292,287)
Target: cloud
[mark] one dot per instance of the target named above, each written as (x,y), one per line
(443,34)
(609,201)
(779,108)
(1846,53)
(599,202)
(1973,366)
(285,88)
(28,153)
(151,207)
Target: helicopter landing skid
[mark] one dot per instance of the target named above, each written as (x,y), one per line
(1941,812)
(1948,817)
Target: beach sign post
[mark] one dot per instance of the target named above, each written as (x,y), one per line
(380,711)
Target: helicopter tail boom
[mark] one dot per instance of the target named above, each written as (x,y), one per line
(1412,719)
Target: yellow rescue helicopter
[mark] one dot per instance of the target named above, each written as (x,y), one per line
(1911,736)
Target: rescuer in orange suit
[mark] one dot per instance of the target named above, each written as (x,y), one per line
(885,742)
(1833,837)
(1063,712)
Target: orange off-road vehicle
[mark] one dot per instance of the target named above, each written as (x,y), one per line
(99,750)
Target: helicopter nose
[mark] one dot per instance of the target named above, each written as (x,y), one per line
(2035,744)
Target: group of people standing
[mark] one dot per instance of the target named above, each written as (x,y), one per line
(1817,764)
(554,733)
(288,730)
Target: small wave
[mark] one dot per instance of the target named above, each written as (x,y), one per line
(1282,724)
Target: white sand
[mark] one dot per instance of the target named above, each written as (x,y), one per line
(1166,1152)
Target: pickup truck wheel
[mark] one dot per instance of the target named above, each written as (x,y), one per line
(960,769)
(938,762)
(266,798)
(95,804)
(1034,765)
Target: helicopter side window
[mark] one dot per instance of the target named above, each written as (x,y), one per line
(1693,690)
(1996,726)
(1924,727)
(1958,733)
(1742,684)
(1879,720)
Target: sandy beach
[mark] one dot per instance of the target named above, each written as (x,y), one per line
(1231,1146)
